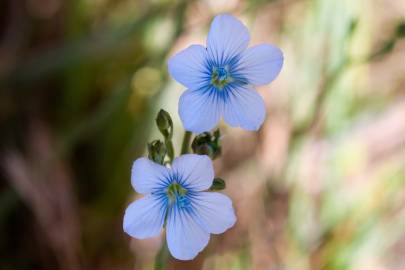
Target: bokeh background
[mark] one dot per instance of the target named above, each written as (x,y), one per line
(320,186)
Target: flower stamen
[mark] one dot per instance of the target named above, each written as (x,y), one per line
(220,77)
(177,194)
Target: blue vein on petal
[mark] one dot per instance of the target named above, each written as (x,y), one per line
(224,93)
(182,202)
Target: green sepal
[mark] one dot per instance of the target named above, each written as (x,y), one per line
(400,30)
(218,184)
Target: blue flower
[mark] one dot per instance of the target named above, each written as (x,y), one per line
(221,78)
(177,196)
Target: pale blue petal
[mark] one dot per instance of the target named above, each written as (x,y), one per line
(145,217)
(185,238)
(195,171)
(200,110)
(213,211)
(244,108)
(147,176)
(189,67)
(260,64)
(227,38)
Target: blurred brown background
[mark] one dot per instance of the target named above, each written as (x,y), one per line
(320,186)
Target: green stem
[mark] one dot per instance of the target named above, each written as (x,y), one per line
(161,257)
(170,149)
(186,142)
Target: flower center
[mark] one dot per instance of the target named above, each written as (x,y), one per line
(220,77)
(177,195)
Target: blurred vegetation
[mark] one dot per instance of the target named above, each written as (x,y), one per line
(321,186)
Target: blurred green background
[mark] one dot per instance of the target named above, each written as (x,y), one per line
(320,186)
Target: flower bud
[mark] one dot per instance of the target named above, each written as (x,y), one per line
(165,124)
(207,144)
(157,151)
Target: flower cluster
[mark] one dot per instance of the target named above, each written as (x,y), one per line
(178,192)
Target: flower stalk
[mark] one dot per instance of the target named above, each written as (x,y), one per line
(185,146)
(161,257)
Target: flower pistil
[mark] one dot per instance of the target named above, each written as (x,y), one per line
(177,194)
(220,77)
